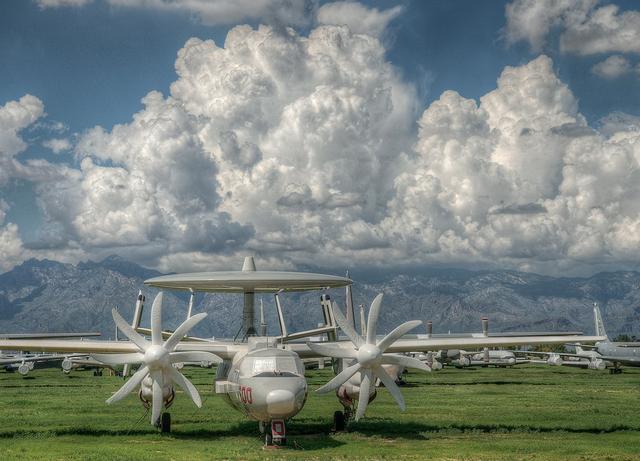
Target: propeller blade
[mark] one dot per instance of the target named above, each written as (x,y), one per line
(332,350)
(119,359)
(194,356)
(398,333)
(182,330)
(372,321)
(365,388)
(345,326)
(339,379)
(156,320)
(391,386)
(403,360)
(131,384)
(128,331)
(186,386)
(158,399)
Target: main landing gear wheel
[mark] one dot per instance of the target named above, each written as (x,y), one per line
(268,439)
(339,421)
(165,423)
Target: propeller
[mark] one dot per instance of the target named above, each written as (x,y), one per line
(157,359)
(367,356)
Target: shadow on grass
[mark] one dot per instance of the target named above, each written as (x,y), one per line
(421,431)
(318,433)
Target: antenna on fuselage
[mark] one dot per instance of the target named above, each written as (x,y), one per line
(363,322)
(190,308)
(263,324)
(248,312)
(350,314)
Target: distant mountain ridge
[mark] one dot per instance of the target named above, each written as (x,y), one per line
(43,295)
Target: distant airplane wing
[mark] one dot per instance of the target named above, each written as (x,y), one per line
(629,361)
(225,350)
(425,345)
(47,335)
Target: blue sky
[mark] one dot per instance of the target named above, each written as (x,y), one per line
(91,62)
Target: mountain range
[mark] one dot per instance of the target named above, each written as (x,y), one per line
(49,296)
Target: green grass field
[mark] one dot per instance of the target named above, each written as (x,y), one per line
(526,413)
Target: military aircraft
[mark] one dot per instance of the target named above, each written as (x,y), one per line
(263,377)
(615,353)
(24,363)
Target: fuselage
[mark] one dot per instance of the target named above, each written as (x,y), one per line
(264,384)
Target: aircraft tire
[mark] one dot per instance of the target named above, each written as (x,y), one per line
(165,423)
(338,421)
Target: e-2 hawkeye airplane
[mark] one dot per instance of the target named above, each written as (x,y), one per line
(259,376)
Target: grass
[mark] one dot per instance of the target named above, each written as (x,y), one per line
(527,413)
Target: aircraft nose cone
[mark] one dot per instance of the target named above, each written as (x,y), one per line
(280,402)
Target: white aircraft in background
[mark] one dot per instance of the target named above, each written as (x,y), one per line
(24,363)
(263,377)
(604,354)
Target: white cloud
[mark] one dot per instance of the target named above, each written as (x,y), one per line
(613,67)
(57,145)
(213,12)
(14,117)
(584,28)
(301,149)
(43,4)
(532,20)
(359,18)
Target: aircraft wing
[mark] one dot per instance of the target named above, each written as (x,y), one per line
(434,344)
(629,361)
(224,350)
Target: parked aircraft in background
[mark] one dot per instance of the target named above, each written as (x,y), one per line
(616,353)
(263,377)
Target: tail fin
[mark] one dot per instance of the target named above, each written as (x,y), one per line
(600,331)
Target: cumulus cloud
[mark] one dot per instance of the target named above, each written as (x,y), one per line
(357,17)
(57,145)
(584,28)
(301,148)
(613,67)
(14,117)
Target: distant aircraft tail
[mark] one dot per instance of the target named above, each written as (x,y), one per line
(600,331)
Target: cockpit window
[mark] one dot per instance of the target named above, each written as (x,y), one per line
(257,366)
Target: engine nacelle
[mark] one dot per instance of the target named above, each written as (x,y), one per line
(554,359)
(146,393)
(24,368)
(597,364)
(67,365)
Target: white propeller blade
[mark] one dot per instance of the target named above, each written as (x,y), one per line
(156,320)
(345,326)
(182,330)
(332,350)
(130,385)
(365,389)
(128,331)
(403,360)
(391,386)
(398,333)
(340,379)
(186,386)
(372,321)
(158,398)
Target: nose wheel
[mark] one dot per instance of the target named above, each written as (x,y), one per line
(274,433)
